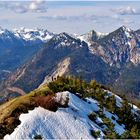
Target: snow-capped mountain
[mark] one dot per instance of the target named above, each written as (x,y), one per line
(17,46)
(33,34)
(116,48)
(62,55)
(26,34)
(122,46)
(104,57)
(120,49)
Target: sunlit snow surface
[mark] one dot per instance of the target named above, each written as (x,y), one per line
(33,34)
(71,122)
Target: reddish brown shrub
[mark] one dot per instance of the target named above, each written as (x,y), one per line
(47,102)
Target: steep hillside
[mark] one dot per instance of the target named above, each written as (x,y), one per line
(107,58)
(11,110)
(62,55)
(85,110)
(129,82)
(119,49)
(17,46)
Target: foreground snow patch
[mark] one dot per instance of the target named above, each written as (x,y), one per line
(66,123)
(71,122)
(49,124)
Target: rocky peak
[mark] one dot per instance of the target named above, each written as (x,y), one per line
(65,40)
(91,36)
(33,34)
(119,47)
(124,28)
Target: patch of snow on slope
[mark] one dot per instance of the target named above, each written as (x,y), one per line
(84,38)
(118,128)
(119,102)
(62,98)
(135,110)
(127,31)
(66,123)
(56,125)
(100,35)
(1,31)
(32,34)
(71,122)
(118,99)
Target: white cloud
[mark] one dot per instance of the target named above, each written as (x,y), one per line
(38,6)
(25,6)
(39,1)
(126,11)
(81,17)
(33,6)
(70,16)
(13,6)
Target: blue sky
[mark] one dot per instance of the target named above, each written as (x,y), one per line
(70,16)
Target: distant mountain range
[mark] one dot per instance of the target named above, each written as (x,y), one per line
(18,46)
(112,59)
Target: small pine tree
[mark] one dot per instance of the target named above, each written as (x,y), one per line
(38,137)
(126,135)
(134,133)
(92,116)
(92,84)
(95,134)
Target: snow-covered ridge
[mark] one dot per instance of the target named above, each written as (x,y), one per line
(27,34)
(119,102)
(1,30)
(33,34)
(126,29)
(66,123)
(91,36)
